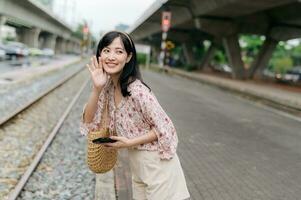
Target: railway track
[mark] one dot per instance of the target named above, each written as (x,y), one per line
(26,133)
(10,115)
(14,194)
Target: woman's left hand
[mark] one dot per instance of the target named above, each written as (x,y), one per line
(122,142)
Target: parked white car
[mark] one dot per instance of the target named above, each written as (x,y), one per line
(35,52)
(48,52)
(21,48)
(2,54)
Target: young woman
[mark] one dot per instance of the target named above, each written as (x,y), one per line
(140,122)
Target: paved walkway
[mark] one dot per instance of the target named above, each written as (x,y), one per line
(26,73)
(276,95)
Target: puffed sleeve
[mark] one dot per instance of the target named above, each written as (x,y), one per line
(157,119)
(85,128)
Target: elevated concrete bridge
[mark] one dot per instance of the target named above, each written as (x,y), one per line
(36,26)
(221,21)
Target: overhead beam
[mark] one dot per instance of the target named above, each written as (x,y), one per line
(29,14)
(218,27)
(284,33)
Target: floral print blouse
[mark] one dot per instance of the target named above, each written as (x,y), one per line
(135,116)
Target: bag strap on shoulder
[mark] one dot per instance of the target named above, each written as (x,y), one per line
(104,118)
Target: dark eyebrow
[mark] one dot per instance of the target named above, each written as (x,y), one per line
(115,48)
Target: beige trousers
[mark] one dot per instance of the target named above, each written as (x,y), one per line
(156,179)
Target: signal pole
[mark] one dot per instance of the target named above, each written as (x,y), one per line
(85,37)
(165,25)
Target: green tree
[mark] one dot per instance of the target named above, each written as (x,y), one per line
(281,60)
(78,31)
(250,46)
(141,58)
(296,55)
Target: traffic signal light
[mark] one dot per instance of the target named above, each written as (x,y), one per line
(165,24)
(85,29)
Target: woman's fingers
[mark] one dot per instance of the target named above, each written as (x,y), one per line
(115,145)
(115,137)
(95,62)
(100,63)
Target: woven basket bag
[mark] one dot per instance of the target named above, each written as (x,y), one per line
(100,159)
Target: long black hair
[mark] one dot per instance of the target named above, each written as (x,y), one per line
(131,70)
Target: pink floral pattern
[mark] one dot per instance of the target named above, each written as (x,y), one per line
(135,116)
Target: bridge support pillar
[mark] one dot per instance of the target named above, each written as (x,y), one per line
(67,47)
(78,47)
(208,56)
(70,47)
(50,41)
(2,22)
(61,45)
(263,57)
(64,46)
(74,47)
(58,45)
(31,37)
(233,52)
(188,53)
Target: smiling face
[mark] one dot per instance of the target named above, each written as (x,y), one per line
(114,57)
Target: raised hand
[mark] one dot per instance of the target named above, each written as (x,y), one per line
(98,75)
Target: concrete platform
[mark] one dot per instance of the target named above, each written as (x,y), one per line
(26,73)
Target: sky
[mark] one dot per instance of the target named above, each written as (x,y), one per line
(101,15)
